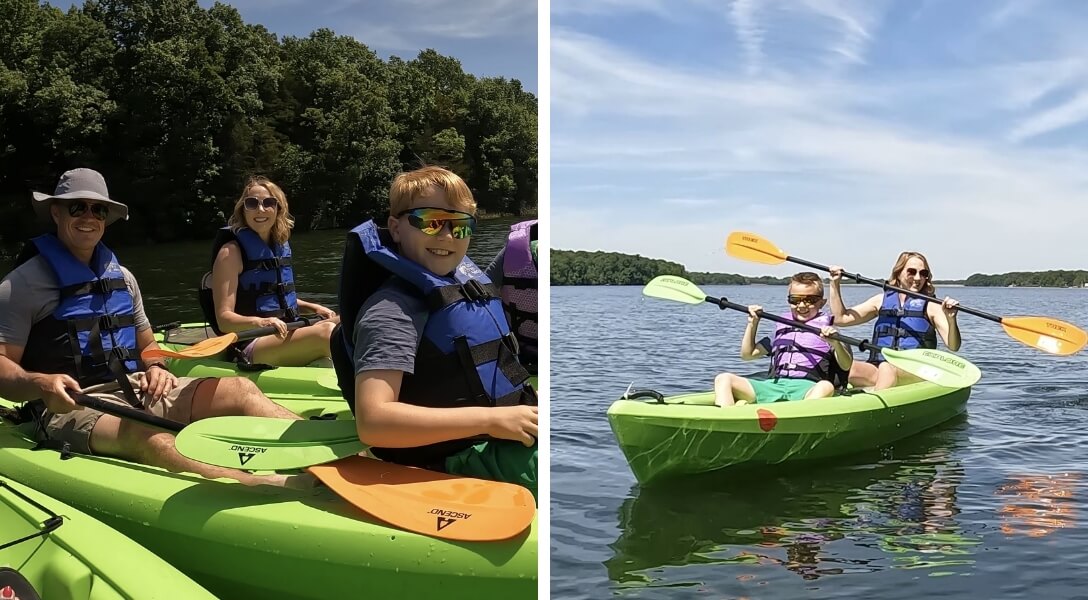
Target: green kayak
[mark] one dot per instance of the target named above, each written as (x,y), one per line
(264,542)
(73,556)
(306,391)
(688,434)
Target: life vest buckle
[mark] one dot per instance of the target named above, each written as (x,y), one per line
(121,353)
(473,291)
(109,323)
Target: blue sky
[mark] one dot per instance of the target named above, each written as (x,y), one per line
(843,130)
(491,38)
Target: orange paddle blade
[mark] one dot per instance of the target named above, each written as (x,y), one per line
(435,504)
(1046,334)
(750,246)
(201,349)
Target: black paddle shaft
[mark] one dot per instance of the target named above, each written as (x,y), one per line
(724,303)
(126,412)
(887,286)
(252,334)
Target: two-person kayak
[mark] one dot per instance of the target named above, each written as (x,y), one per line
(687,434)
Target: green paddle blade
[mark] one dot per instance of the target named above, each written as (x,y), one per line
(266,443)
(671,287)
(943,368)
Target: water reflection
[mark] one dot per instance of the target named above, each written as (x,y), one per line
(833,520)
(1037,505)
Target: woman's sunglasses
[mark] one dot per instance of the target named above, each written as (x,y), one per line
(252,203)
(79,208)
(915,272)
(794,300)
(432,221)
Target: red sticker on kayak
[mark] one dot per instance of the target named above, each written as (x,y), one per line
(767,420)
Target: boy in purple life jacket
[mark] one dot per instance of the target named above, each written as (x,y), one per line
(803,364)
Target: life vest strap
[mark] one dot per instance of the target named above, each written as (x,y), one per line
(472,290)
(266,264)
(521,283)
(98,286)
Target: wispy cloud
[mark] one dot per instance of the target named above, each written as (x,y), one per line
(935,148)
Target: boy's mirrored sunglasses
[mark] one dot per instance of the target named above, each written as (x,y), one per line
(432,221)
(77,208)
(794,300)
(252,203)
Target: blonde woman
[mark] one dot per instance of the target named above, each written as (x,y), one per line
(253,282)
(902,322)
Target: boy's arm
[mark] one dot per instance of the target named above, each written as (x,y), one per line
(749,349)
(843,354)
(384,422)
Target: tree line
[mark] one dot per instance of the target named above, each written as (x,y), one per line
(176,105)
(1030,279)
(614,268)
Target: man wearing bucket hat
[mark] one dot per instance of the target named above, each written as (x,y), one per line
(72,319)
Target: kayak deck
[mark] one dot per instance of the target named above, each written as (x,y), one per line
(265,542)
(81,559)
(688,434)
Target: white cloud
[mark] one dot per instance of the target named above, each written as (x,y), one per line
(916,160)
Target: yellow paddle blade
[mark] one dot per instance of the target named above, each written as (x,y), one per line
(751,246)
(1046,334)
(671,287)
(201,349)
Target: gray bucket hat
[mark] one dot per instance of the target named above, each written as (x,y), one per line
(83,184)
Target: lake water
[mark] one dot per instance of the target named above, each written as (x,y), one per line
(989,506)
(169,274)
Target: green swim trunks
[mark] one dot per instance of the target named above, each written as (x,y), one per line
(769,390)
(497,460)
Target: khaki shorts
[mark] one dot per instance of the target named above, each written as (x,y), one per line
(75,427)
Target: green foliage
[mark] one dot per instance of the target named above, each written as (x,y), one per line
(613,268)
(177,105)
(1030,279)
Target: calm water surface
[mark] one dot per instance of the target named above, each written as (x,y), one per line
(989,506)
(169,274)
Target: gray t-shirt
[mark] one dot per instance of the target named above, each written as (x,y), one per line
(389,328)
(30,293)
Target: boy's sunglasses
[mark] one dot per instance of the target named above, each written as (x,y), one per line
(794,300)
(78,208)
(252,203)
(915,272)
(432,221)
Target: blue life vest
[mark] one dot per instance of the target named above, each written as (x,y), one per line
(467,355)
(800,354)
(902,327)
(266,285)
(93,324)
(519,289)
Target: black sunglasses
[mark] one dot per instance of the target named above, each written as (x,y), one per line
(252,203)
(78,208)
(915,272)
(811,300)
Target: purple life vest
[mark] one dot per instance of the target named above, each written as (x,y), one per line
(519,288)
(799,354)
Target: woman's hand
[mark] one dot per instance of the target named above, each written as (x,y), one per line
(281,327)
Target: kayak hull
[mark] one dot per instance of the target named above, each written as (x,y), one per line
(72,562)
(265,542)
(688,434)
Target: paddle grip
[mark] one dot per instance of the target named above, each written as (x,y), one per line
(889,287)
(126,412)
(252,334)
(724,303)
